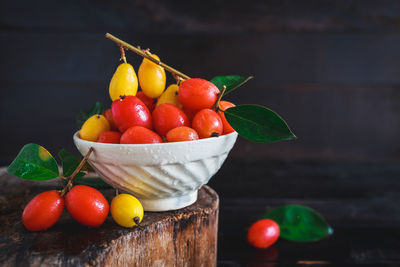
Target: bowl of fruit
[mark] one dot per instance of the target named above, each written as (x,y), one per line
(162,144)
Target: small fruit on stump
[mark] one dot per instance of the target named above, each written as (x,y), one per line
(196,94)
(263,233)
(207,123)
(94,127)
(43,211)
(126,210)
(87,205)
(130,111)
(123,82)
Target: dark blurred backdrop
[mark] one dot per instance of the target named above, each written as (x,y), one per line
(330,68)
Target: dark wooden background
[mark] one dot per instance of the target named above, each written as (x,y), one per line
(330,68)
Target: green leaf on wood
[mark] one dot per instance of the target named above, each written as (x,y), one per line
(97,108)
(94,182)
(299,223)
(34,162)
(258,123)
(231,82)
(69,163)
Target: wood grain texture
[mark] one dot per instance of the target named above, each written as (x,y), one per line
(186,237)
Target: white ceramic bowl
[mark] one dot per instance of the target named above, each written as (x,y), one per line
(163,176)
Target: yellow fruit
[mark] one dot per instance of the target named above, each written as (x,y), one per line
(126,210)
(94,127)
(123,82)
(170,96)
(151,78)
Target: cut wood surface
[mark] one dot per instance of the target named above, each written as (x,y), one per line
(185,237)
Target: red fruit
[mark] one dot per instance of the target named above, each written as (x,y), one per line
(108,114)
(87,205)
(224,105)
(190,113)
(182,133)
(196,94)
(110,137)
(207,123)
(130,111)
(140,135)
(43,211)
(167,117)
(148,101)
(263,233)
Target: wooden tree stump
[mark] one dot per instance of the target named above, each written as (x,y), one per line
(185,237)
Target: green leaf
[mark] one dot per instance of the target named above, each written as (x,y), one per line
(69,163)
(231,82)
(97,108)
(299,223)
(258,123)
(94,182)
(34,162)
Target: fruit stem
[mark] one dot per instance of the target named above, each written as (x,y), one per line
(123,57)
(144,54)
(136,220)
(76,171)
(216,105)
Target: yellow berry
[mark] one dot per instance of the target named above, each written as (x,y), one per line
(94,127)
(123,82)
(126,210)
(170,96)
(151,78)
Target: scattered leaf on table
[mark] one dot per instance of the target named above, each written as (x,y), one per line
(97,108)
(258,123)
(299,223)
(34,162)
(231,82)
(69,163)
(93,182)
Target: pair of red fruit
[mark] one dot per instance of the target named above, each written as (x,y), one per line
(84,203)
(136,116)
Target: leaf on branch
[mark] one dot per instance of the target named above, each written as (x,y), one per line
(231,82)
(34,162)
(258,123)
(69,163)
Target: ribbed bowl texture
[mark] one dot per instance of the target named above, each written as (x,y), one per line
(163,176)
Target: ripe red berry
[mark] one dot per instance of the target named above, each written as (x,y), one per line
(111,137)
(130,111)
(140,135)
(224,105)
(167,116)
(196,94)
(87,205)
(263,233)
(148,101)
(182,133)
(190,113)
(108,114)
(43,211)
(207,123)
